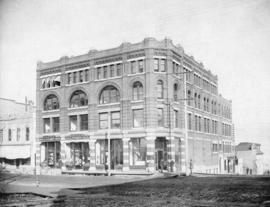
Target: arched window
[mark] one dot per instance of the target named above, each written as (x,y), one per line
(51,103)
(78,99)
(175,91)
(109,94)
(160,89)
(137,91)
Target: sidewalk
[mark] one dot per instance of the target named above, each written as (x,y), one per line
(51,185)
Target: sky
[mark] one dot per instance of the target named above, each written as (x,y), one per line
(231,38)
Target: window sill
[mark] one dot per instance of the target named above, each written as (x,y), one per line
(134,74)
(109,78)
(46,89)
(79,83)
(51,111)
(80,107)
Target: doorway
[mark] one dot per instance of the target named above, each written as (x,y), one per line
(161,153)
(116,154)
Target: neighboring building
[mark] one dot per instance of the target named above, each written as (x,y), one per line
(136,96)
(17,135)
(250,158)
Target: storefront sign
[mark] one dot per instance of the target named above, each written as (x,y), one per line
(51,138)
(77,137)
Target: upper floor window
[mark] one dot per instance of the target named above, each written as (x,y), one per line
(78,99)
(51,82)
(160,117)
(189,97)
(9,134)
(111,70)
(1,135)
(27,133)
(156,65)
(141,66)
(175,91)
(51,103)
(118,69)
(109,94)
(137,91)
(18,134)
(162,65)
(160,89)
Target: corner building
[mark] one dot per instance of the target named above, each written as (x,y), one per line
(156,105)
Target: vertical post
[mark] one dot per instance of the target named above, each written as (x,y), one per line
(109,144)
(185,122)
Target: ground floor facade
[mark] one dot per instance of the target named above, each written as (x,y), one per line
(120,152)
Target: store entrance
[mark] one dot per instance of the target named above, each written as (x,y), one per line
(116,154)
(161,153)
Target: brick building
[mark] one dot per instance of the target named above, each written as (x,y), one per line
(135,96)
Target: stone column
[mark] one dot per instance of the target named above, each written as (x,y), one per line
(126,154)
(63,155)
(150,146)
(92,151)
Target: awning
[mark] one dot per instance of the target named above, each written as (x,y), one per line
(15,152)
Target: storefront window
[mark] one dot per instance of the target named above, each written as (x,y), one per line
(79,154)
(52,154)
(137,154)
(101,149)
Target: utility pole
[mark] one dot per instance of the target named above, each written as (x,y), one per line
(109,144)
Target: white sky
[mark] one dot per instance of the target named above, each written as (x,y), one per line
(231,38)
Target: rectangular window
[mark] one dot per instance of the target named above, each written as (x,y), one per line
(81,76)
(69,78)
(138,118)
(196,123)
(74,77)
(115,120)
(73,123)
(98,73)
(84,122)
(160,117)
(27,134)
(118,69)
(176,124)
(55,124)
(133,67)
(141,66)
(46,125)
(9,134)
(1,135)
(105,72)
(156,65)
(86,75)
(103,120)
(200,124)
(162,65)
(111,70)
(18,134)
(189,122)
(137,155)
